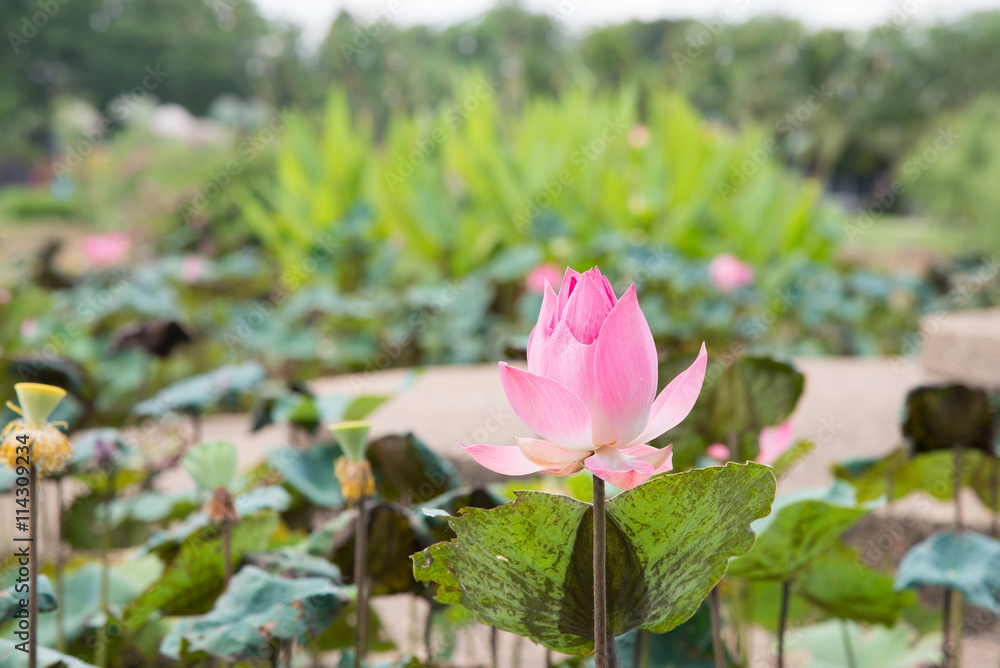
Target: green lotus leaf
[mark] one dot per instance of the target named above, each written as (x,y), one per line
(10,599)
(840,644)
(153,507)
(526,567)
(256,609)
(194,577)
(12,657)
(212,464)
(289,562)
(81,598)
(199,394)
(394,533)
(406,470)
(440,509)
(940,417)
(841,585)
(687,646)
(968,562)
(750,394)
(310,472)
(801,527)
(256,500)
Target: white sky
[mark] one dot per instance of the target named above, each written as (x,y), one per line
(315,15)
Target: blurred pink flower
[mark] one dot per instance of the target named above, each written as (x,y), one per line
(192,267)
(718,452)
(638,136)
(536,278)
(106,249)
(727,273)
(590,389)
(774,441)
(29,327)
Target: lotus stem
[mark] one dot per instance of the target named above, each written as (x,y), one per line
(786,590)
(428,633)
(637,650)
(717,648)
(33,570)
(604,646)
(288,653)
(848,649)
(360,581)
(227,553)
(494,636)
(60,589)
(995,495)
(957,483)
(946,642)
(107,544)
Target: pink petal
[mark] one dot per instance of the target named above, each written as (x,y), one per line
(506,459)
(660,458)
(676,400)
(553,459)
(623,472)
(603,283)
(625,367)
(774,441)
(542,330)
(718,452)
(569,283)
(547,407)
(587,308)
(571,363)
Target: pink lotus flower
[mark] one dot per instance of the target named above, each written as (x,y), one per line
(542,275)
(590,389)
(106,249)
(192,267)
(774,441)
(727,273)
(718,452)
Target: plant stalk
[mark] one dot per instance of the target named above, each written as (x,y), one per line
(946,642)
(995,496)
(227,553)
(786,590)
(716,610)
(957,483)
(494,636)
(848,649)
(60,587)
(360,581)
(33,570)
(106,546)
(604,646)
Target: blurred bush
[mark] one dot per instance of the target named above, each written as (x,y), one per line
(470,182)
(953,171)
